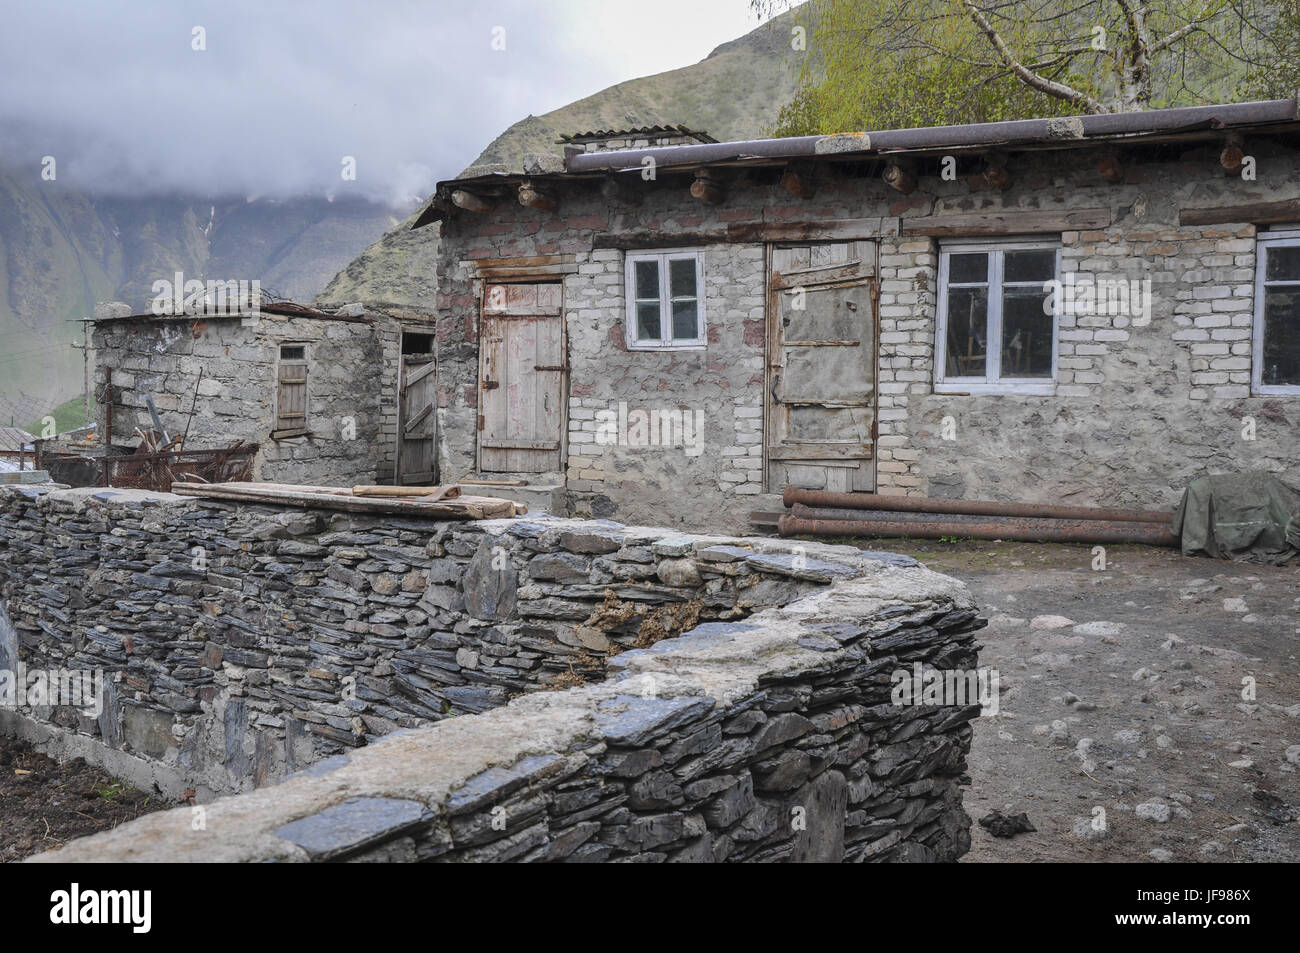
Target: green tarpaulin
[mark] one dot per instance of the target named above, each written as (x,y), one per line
(1250,516)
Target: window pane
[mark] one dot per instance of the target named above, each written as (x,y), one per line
(1029,265)
(681,277)
(290,352)
(1281,336)
(647,321)
(647,279)
(686,322)
(1026,334)
(964,268)
(968,310)
(1283,263)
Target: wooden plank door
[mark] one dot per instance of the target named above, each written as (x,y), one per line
(821,366)
(417,420)
(523,379)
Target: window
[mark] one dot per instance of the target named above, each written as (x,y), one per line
(1277,314)
(665,307)
(996,331)
(291,392)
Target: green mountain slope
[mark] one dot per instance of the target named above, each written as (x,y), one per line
(735,92)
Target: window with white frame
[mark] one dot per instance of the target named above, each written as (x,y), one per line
(996,327)
(665,299)
(1277,314)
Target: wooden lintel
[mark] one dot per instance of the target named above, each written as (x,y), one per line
(1007,222)
(471,202)
(899,176)
(848,229)
(1109,166)
(798,181)
(530,197)
(1258,213)
(707,188)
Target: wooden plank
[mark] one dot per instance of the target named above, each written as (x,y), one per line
(1258,213)
(809,452)
(341,498)
(418,372)
(847,229)
(1007,222)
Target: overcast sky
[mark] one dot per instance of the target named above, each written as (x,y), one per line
(413,89)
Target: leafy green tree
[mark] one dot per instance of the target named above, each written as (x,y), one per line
(900,63)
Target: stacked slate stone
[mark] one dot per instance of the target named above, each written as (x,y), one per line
(245,642)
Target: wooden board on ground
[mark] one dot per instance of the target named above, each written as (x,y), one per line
(342,498)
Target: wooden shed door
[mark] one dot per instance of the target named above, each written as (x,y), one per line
(417,420)
(821,366)
(522,379)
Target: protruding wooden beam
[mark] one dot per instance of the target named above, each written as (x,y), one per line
(900,176)
(531,197)
(1233,155)
(798,181)
(471,202)
(1111,169)
(707,188)
(996,173)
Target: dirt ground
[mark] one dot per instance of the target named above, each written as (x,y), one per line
(44,804)
(1131,734)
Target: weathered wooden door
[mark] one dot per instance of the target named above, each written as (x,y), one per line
(417,420)
(522,379)
(821,366)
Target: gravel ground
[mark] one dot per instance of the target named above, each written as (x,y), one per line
(1126,728)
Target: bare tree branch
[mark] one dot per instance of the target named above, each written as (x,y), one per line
(1026,75)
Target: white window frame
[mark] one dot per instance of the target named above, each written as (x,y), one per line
(665,342)
(1288,237)
(991,382)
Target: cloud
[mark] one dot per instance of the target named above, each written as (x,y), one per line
(285,91)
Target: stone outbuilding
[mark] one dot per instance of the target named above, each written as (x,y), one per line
(324,394)
(1091,309)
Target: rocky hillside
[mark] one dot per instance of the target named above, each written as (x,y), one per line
(62,250)
(735,92)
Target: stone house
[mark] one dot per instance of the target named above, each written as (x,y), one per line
(323,393)
(1087,309)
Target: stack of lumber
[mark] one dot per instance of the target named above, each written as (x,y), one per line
(816,513)
(437,502)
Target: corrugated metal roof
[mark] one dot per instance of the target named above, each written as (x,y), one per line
(15,438)
(596,135)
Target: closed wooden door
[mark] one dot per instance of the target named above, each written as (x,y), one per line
(417,420)
(522,379)
(821,369)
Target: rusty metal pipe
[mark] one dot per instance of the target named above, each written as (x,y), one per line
(1007,528)
(921,504)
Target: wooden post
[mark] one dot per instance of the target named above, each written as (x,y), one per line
(706,188)
(1233,155)
(996,173)
(899,176)
(530,197)
(797,180)
(1111,169)
(471,202)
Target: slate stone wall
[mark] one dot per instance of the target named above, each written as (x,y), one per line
(763,731)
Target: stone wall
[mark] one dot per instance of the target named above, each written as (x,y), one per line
(352,388)
(709,697)
(1137,410)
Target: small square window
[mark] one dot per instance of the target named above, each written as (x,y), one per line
(665,309)
(996,330)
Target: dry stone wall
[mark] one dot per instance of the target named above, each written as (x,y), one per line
(716,698)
